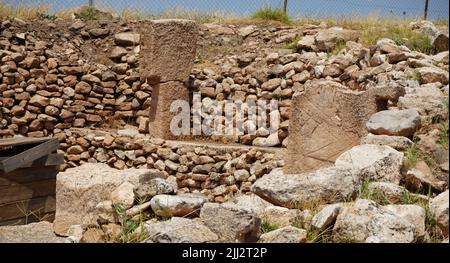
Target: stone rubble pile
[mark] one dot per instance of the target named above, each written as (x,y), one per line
(84,74)
(119,185)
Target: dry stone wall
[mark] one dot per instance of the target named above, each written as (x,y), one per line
(61,75)
(217,171)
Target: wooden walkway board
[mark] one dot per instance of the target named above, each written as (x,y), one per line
(11,142)
(42,149)
(28,169)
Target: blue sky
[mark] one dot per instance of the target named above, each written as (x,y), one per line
(297,8)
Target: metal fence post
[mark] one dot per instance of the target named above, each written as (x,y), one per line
(425,13)
(285,7)
(91,2)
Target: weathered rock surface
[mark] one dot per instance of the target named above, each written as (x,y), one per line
(288,234)
(329,121)
(413,214)
(41,232)
(231,223)
(326,217)
(438,39)
(439,208)
(280,216)
(179,230)
(79,190)
(178,205)
(123,195)
(397,142)
(154,187)
(393,193)
(429,101)
(367,222)
(252,203)
(421,178)
(326,40)
(93,236)
(326,185)
(169,48)
(394,122)
(373,162)
(127,39)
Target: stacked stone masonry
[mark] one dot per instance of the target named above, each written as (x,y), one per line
(217,171)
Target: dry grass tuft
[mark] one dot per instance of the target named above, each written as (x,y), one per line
(23,11)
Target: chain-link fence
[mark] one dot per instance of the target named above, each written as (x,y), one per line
(437,9)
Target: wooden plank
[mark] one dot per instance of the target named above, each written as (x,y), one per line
(31,190)
(52,159)
(35,207)
(29,155)
(11,142)
(27,175)
(50,217)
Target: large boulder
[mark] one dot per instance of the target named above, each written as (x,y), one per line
(367,222)
(127,39)
(327,185)
(439,208)
(279,216)
(373,162)
(428,100)
(231,223)
(178,205)
(179,230)
(79,190)
(438,38)
(394,122)
(327,119)
(252,203)
(432,74)
(288,234)
(123,195)
(399,143)
(421,179)
(413,214)
(41,232)
(326,217)
(327,39)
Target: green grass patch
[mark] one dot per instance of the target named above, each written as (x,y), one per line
(377,196)
(317,236)
(411,156)
(293,43)
(340,45)
(89,13)
(443,134)
(132,230)
(266,226)
(273,14)
(23,11)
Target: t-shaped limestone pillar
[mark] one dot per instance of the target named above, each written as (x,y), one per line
(168,50)
(328,119)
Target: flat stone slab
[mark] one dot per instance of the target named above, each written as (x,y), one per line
(168,49)
(394,122)
(328,119)
(326,185)
(41,232)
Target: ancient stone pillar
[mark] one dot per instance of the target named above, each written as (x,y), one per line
(168,50)
(328,119)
